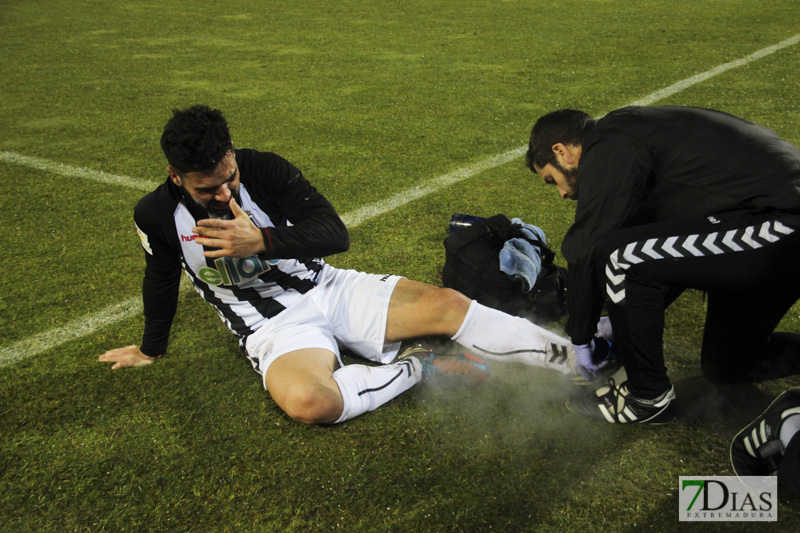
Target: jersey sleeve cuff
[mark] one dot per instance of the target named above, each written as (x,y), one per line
(268,246)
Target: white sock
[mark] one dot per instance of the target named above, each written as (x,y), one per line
(492,334)
(365,388)
(789,428)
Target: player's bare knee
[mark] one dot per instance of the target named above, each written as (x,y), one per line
(450,306)
(311,405)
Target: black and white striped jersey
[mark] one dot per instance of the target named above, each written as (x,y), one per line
(301,227)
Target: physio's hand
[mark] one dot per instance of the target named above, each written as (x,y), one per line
(604,330)
(583,355)
(125,357)
(232,238)
(592,357)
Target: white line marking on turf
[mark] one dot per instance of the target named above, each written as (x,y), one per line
(77,172)
(688,82)
(73,330)
(85,326)
(76,329)
(354,218)
(358,216)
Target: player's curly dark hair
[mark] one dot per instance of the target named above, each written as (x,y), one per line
(196,139)
(562,126)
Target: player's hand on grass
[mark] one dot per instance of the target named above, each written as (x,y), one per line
(125,357)
(232,238)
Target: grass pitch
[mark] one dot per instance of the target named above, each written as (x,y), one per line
(369,99)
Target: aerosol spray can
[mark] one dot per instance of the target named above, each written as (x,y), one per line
(459,221)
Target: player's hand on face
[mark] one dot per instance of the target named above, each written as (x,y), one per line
(126,357)
(232,238)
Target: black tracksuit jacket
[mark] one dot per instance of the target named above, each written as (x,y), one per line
(642,165)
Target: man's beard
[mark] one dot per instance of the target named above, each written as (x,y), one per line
(570,179)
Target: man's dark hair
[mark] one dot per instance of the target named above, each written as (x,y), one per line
(196,139)
(562,126)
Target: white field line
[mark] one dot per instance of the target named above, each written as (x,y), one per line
(77,172)
(688,82)
(362,214)
(76,329)
(84,326)
(73,330)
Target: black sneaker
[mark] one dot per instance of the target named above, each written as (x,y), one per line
(616,405)
(757,449)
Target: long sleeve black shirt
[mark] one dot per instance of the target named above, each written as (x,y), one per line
(640,165)
(299,224)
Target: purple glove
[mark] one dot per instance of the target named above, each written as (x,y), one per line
(593,357)
(604,329)
(583,356)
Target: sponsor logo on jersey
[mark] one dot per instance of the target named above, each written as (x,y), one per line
(189,238)
(231,271)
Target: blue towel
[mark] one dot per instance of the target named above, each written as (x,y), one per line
(520,259)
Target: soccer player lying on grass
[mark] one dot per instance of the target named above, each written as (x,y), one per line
(250,231)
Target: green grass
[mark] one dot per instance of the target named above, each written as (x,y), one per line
(368,98)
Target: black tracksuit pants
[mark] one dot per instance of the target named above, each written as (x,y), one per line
(749,265)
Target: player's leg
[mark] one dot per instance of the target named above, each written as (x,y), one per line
(301,383)
(348,309)
(297,352)
(311,387)
(418,309)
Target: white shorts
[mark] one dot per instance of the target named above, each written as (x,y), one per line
(347,309)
